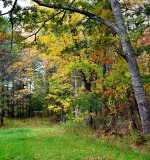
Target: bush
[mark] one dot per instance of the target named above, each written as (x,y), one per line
(78,128)
(137,138)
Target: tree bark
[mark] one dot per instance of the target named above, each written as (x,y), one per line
(133,67)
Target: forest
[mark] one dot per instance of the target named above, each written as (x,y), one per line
(75,69)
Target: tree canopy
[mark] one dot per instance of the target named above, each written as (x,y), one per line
(76,57)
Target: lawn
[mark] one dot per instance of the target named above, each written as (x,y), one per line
(64,142)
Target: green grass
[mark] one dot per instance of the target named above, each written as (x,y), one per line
(63,142)
(25,123)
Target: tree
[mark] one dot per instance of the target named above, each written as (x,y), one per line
(128,53)
(120,29)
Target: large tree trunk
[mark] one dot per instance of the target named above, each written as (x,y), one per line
(133,67)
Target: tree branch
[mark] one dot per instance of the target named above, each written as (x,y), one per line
(2,14)
(86,13)
(33,34)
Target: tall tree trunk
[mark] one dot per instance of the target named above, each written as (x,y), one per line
(8,101)
(1,114)
(76,92)
(104,105)
(128,53)
(13,99)
(87,86)
(2,95)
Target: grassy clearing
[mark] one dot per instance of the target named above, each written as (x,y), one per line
(64,142)
(25,123)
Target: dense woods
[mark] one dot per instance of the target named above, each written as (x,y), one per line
(81,61)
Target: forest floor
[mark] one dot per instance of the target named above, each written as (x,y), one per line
(23,140)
